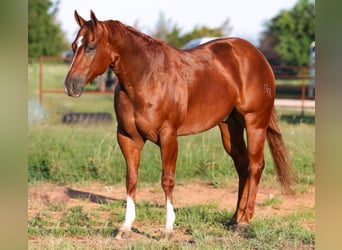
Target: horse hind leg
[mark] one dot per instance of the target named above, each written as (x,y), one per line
(233,141)
(250,171)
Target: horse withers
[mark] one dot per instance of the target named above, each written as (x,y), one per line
(164,92)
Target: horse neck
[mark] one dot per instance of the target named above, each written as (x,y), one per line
(136,53)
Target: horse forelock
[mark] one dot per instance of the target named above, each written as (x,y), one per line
(89,32)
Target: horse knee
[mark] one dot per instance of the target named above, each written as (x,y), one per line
(131,183)
(168,183)
(256,169)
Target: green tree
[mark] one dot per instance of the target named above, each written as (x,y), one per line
(162,27)
(45,36)
(290,34)
(172,32)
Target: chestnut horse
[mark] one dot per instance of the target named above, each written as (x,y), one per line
(165,92)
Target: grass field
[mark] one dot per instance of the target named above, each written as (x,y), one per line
(79,154)
(196,227)
(64,154)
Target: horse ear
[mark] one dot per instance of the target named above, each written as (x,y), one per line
(93,18)
(79,20)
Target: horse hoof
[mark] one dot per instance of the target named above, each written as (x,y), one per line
(166,235)
(122,234)
(241,227)
(231,224)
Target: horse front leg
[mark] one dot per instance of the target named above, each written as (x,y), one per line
(131,149)
(169,151)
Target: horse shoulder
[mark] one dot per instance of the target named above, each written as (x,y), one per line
(125,113)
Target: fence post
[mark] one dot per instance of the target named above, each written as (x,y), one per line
(41,80)
(303,76)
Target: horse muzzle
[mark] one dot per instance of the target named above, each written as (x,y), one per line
(74,86)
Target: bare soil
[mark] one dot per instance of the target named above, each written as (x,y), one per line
(43,195)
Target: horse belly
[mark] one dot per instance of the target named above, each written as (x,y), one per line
(204,118)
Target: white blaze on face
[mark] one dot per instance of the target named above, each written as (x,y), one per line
(130,213)
(170,215)
(79,43)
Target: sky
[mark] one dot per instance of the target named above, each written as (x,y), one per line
(246,17)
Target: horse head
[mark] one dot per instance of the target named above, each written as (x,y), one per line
(90,58)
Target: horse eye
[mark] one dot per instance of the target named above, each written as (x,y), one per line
(91,47)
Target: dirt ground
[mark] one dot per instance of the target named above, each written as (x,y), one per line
(43,195)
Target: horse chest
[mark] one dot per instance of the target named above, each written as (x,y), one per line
(148,127)
(150,119)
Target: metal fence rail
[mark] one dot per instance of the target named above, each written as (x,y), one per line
(295,85)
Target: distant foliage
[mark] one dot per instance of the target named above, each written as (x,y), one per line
(45,36)
(172,33)
(288,35)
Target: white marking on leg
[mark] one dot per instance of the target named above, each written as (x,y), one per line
(130,214)
(170,216)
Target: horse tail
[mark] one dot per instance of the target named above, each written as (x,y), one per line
(284,168)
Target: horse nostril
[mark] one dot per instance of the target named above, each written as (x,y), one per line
(73,86)
(69,88)
(65,90)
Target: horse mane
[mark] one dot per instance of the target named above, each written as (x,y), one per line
(146,40)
